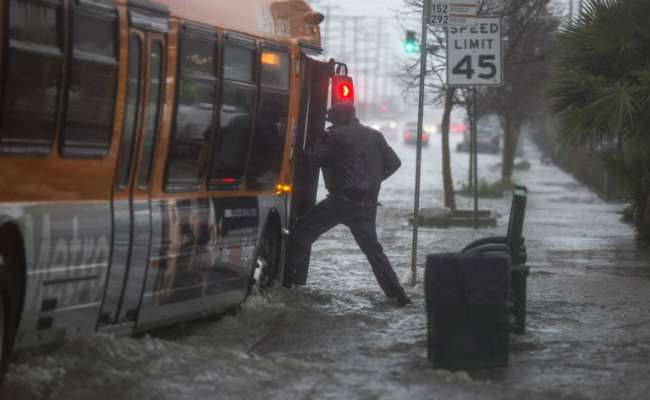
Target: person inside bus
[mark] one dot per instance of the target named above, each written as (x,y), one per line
(232,147)
(355,159)
(267,142)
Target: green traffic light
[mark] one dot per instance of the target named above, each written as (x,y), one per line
(409,43)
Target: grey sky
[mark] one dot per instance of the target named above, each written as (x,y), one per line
(374,8)
(370,8)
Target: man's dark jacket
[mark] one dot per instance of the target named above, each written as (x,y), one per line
(355,160)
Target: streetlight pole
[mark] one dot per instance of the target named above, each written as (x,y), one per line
(418,161)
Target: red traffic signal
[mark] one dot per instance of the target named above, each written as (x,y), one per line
(342,89)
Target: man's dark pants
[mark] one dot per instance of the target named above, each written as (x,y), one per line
(360,218)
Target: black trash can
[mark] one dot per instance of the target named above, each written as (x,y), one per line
(467,310)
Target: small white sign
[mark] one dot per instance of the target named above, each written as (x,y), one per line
(453,13)
(474,54)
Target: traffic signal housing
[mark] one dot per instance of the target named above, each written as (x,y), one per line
(409,43)
(342,89)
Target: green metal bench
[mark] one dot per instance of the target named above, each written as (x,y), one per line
(514,246)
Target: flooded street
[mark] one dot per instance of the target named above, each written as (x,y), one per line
(588,327)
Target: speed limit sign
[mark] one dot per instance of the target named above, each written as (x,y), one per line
(474,54)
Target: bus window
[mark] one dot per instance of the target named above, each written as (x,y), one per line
(275,69)
(238,64)
(130,120)
(198,56)
(271,123)
(153,109)
(93,82)
(194,111)
(30,88)
(236,116)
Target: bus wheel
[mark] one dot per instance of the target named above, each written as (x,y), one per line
(6,318)
(267,261)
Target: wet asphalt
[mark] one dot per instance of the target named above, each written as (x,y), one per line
(587,329)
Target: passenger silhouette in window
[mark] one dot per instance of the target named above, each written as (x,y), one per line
(266,152)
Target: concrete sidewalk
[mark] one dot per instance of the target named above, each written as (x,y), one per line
(588,329)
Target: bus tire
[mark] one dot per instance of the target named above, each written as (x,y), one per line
(266,266)
(7,317)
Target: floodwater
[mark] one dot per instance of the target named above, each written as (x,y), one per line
(588,328)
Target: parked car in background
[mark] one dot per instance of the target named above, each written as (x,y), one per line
(410,133)
(487,141)
(387,128)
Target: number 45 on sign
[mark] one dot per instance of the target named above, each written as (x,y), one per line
(474,54)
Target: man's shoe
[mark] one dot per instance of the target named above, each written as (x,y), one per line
(403,300)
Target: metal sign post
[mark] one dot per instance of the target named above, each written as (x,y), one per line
(475,155)
(418,160)
(474,59)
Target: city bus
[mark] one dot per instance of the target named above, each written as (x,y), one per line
(148,154)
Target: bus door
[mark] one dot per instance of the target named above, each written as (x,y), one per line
(131,191)
(316,74)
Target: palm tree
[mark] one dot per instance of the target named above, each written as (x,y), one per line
(601,92)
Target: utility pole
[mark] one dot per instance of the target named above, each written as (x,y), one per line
(342,48)
(355,38)
(326,38)
(375,90)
